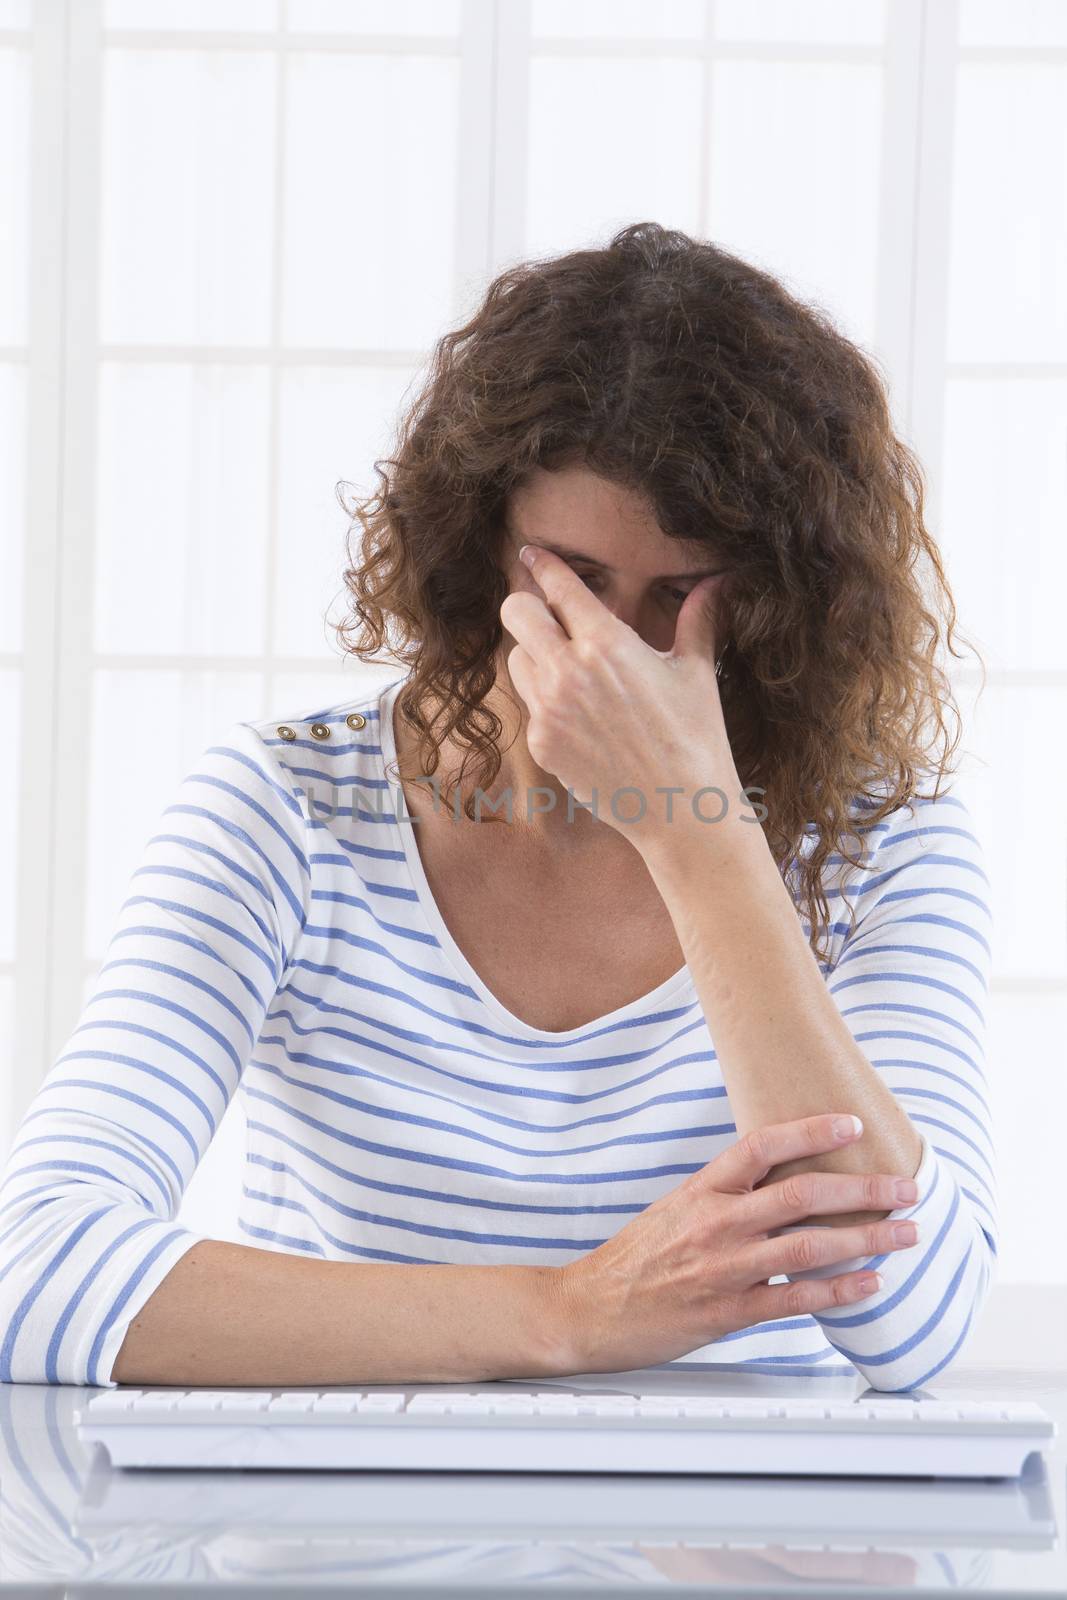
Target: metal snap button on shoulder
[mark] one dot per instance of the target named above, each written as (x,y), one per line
(355,719)
(285,732)
(319,730)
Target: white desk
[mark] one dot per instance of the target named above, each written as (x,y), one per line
(72,1527)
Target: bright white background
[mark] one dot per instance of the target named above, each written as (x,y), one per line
(236,227)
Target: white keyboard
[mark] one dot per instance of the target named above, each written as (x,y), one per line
(501,1430)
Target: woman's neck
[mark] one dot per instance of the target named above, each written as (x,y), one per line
(539,804)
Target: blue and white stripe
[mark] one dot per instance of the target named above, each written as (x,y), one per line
(280,941)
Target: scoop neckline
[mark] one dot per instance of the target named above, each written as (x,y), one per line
(678,981)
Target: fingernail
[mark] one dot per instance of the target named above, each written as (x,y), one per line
(526,555)
(847,1127)
(872,1283)
(905,1232)
(906,1189)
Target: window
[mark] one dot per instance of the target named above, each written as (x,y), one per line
(237,228)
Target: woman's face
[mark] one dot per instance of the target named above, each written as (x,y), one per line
(610,538)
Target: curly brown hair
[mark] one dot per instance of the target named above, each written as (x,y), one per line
(673,368)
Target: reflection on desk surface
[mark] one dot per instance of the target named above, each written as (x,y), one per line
(67,1516)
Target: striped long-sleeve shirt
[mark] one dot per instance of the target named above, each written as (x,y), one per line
(280,940)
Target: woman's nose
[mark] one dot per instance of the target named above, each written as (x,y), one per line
(655,630)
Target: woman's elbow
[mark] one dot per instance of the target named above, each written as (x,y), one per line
(934,1347)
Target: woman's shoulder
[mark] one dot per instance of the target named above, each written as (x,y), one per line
(323,760)
(928,816)
(934,820)
(328,741)
(925,859)
(925,855)
(332,727)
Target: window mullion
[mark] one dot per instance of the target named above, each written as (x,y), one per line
(38,797)
(933,222)
(72,676)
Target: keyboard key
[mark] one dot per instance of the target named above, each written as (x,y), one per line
(940,1410)
(337,1401)
(114,1400)
(383,1404)
(201,1400)
(703,1408)
(292,1402)
(1024,1411)
(158,1400)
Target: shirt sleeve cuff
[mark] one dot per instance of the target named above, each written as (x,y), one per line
(931,1292)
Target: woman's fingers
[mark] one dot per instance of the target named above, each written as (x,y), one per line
(531,624)
(745,1163)
(768,1302)
(761,1259)
(696,1263)
(813,1194)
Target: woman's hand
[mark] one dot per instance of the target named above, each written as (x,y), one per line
(609,714)
(694,1265)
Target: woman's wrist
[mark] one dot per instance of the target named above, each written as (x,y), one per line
(552,1321)
(724,836)
(567,1321)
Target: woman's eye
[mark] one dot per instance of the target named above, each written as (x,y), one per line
(594,580)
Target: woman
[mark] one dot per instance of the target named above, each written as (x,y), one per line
(465,943)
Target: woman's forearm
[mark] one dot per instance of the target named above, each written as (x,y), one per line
(232,1314)
(783,1046)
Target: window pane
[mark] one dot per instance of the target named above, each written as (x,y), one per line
(207,14)
(1026,1034)
(187,196)
(1025,23)
(620,167)
(12,502)
(14,193)
(336,421)
(1014,778)
(814,22)
(7,1062)
(1005,511)
(148,728)
(429,17)
(1008,281)
(794,184)
(183,495)
(299,696)
(370,220)
(11,722)
(617,19)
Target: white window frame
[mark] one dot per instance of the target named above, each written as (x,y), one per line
(920,57)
